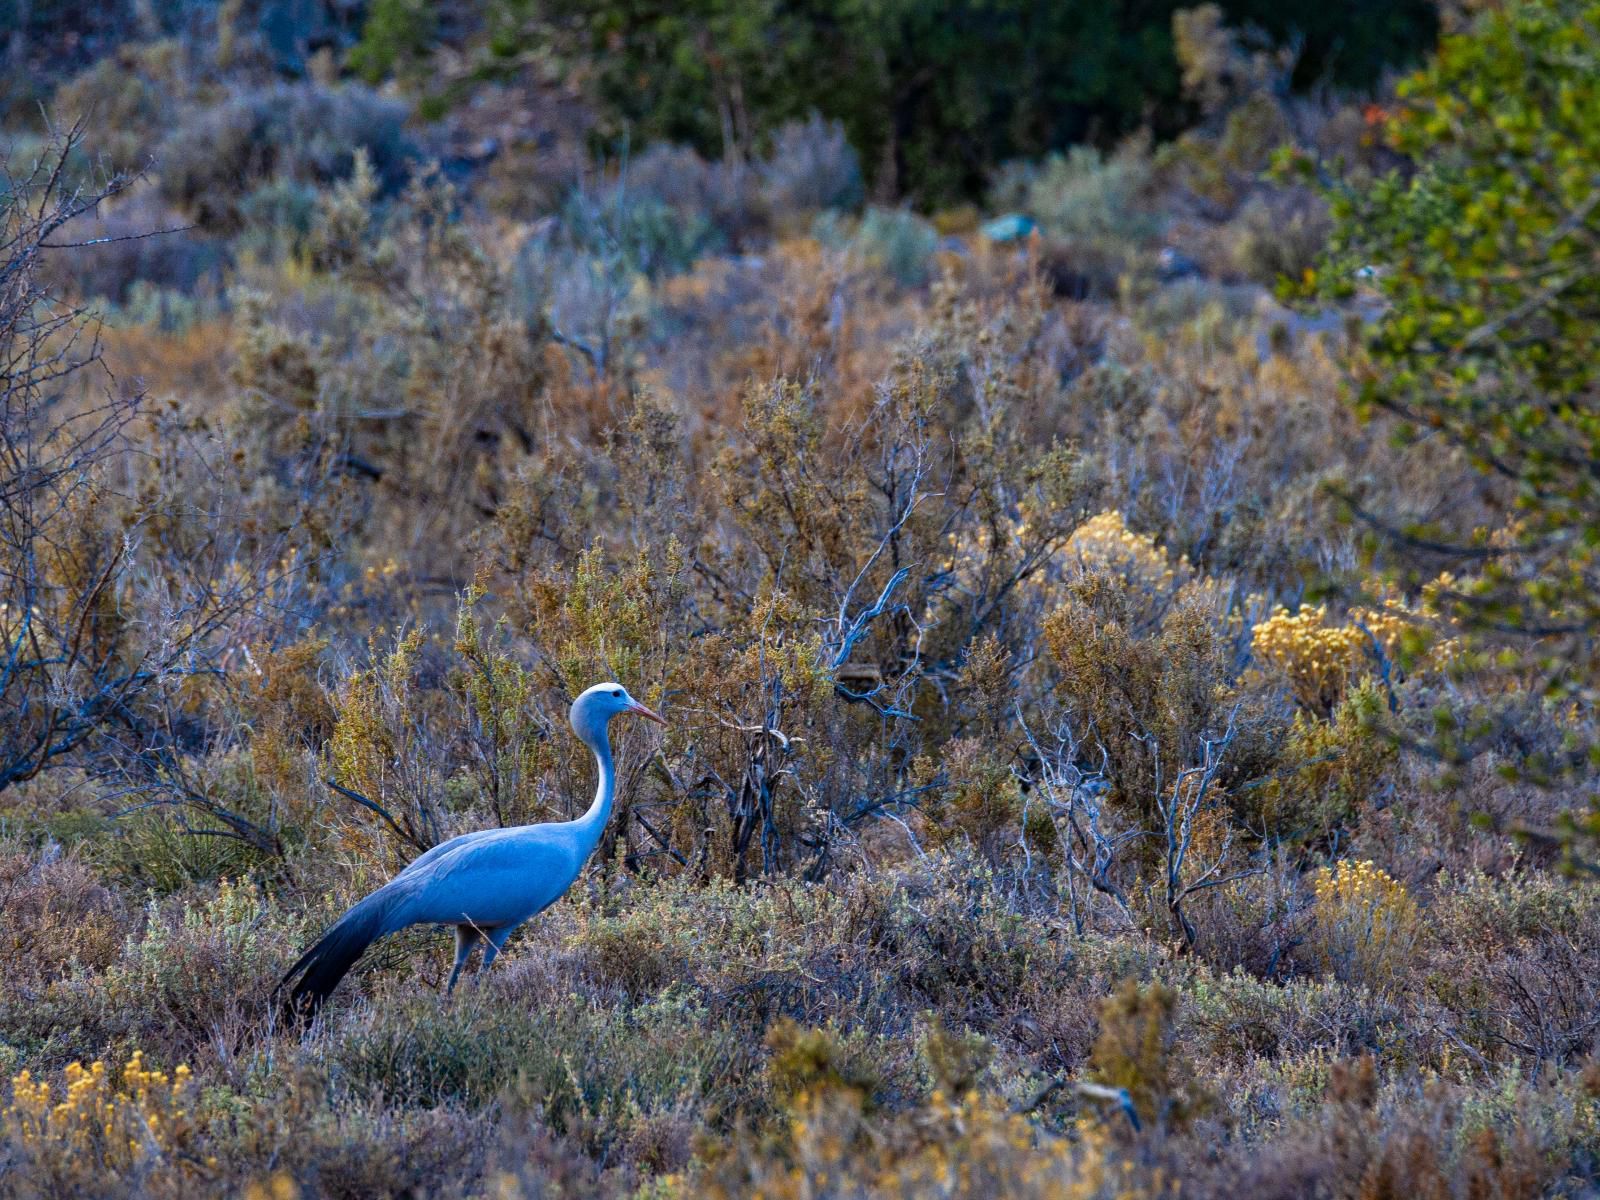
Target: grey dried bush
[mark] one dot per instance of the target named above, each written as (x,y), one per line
(306,132)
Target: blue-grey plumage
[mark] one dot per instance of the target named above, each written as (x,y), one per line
(485,883)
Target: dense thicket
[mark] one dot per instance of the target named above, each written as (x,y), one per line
(935,95)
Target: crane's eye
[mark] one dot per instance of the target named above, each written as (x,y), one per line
(617,693)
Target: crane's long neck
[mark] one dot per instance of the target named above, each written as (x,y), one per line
(592,824)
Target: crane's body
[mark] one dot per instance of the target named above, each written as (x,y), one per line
(486,883)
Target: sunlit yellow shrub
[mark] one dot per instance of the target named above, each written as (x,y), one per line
(1367,924)
(279,1186)
(1105,541)
(1316,657)
(1321,660)
(119,1121)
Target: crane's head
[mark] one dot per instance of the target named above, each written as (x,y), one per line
(592,711)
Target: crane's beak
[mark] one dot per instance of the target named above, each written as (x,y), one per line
(640,710)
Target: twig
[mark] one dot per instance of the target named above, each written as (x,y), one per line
(377,808)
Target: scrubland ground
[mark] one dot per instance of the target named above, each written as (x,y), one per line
(1052,804)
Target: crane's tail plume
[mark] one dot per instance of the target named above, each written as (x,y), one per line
(320,968)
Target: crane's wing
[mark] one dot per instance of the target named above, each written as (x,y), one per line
(498,878)
(436,852)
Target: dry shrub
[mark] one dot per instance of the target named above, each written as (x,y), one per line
(808,1062)
(289,713)
(1149,694)
(980,800)
(959,1147)
(214,156)
(381,746)
(1418,1140)
(54,914)
(1274,239)
(812,167)
(130,95)
(171,280)
(1366,925)
(198,979)
(1322,661)
(1243,1020)
(1513,964)
(1134,1052)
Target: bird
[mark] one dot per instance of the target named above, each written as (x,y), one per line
(485,883)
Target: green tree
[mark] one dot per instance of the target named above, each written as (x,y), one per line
(396,39)
(933,93)
(707,72)
(1485,257)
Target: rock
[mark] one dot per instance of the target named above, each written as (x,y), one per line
(1012,227)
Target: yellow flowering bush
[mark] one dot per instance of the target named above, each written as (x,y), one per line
(279,1186)
(1105,542)
(122,1122)
(1367,924)
(1321,660)
(1317,658)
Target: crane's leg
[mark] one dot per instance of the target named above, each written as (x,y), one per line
(496,939)
(466,938)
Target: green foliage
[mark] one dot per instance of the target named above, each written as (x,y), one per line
(1483,256)
(898,242)
(395,40)
(1085,198)
(203,966)
(1331,768)
(596,1070)
(161,851)
(643,231)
